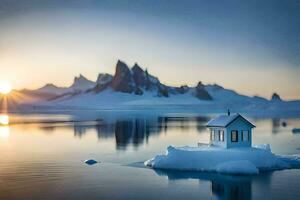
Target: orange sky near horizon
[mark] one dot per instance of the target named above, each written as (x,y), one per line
(63,77)
(55,45)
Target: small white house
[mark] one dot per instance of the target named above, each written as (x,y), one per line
(230,131)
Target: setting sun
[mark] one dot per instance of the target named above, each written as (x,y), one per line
(5,87)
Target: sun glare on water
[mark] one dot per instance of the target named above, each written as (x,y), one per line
(5,87)
(4,120)
(4,128)
(4,132)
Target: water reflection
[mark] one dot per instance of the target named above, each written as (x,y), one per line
(40,156)
(4,131)
(4,120)
(4,128)
(133,131)
(231,190)
(221,186)
(275,125)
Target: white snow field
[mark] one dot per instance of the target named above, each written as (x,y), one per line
(109,99)
(239,161)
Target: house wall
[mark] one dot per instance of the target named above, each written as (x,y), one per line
(239,124)
(217,142)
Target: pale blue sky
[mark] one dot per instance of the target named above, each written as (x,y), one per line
(250,46)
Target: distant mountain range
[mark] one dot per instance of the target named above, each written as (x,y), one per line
(137,87)
(135,81)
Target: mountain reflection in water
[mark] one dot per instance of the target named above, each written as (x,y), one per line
(133,131)
(42,157)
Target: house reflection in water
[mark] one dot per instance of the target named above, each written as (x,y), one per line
(136,131)
(222,186)
(231,190)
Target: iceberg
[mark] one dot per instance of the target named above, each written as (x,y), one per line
(237,167)
(239,161)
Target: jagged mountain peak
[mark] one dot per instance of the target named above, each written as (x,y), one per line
(103,78)
(136,67)
(200,84)
(275,97)
(122,80)
(201,92)
(82,83)
(49,85)
(80,78)
(139,76)
(136,80)
(182,89)
(121,65)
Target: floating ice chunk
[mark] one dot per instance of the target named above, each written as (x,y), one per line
(247,160)
(90,162)
(292,160)
(263,146)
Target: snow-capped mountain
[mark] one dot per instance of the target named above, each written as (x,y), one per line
(137,87)
(81,84)
(218,93)
(51,91)
(138,82)
(104,78)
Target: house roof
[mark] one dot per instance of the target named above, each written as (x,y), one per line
(226,120)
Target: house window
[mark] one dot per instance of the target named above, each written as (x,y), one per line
(245,136)
(216,134)
(212,135)
(234,136)
(221,135)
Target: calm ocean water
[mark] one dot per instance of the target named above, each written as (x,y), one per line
(42,157)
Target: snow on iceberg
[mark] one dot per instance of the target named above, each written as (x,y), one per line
(237,167)
(247,160)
